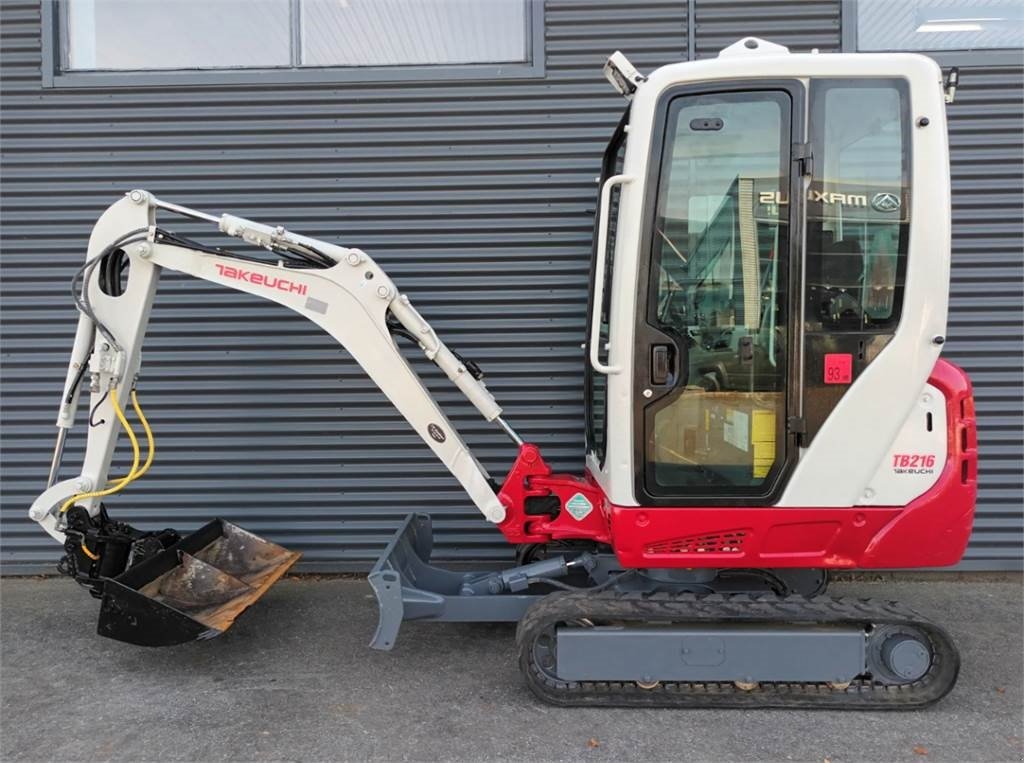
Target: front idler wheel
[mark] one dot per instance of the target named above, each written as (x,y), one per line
(899,654)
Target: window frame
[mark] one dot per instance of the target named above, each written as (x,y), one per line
(816,110)
(866,342)
(54,26)
(618,142)
(768,492)
(786,139)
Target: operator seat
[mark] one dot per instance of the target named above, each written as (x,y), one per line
(834,295)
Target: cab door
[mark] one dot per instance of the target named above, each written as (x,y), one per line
(715,377)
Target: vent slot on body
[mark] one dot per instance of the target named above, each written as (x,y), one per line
(724,542)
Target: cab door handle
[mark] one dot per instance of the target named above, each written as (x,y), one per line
(661,366)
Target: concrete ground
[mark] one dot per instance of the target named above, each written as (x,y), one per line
(293,680)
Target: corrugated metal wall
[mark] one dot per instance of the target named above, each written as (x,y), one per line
(986,131)
(801,26)
(476,197)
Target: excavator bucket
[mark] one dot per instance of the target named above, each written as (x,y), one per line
(192,590)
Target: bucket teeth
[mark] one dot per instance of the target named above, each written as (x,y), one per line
(193,590)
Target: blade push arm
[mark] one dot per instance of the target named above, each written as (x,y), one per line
(351,298)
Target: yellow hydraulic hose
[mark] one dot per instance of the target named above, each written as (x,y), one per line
(135,472)
(150,446)
(88,553)
(124,480)
(150,440)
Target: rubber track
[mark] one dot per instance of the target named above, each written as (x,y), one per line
(722,609)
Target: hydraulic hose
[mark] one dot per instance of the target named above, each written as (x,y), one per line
(150,440)
(135,472)
(88,553)
(120,485)
(150,446)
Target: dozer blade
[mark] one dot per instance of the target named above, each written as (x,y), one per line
(192,590)
(409,587)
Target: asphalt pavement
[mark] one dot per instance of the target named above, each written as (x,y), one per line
(293,680)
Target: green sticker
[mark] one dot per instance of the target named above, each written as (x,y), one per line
(579,506)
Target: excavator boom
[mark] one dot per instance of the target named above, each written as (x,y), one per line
(195,586)
(348,295)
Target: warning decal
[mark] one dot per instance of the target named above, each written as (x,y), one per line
(579,507)
(838,368)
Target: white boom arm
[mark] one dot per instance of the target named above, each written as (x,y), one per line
(350,301)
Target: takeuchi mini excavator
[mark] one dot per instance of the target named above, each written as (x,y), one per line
(765,402)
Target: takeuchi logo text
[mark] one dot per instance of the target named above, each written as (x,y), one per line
(261,279)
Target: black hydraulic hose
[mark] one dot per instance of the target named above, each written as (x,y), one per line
(475,371)
(294,259)
(112,262)
(78,378)
(81,296)
(314,255)
(111,267)
(589,589)
(92,413)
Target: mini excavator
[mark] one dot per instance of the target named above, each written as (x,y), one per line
(765,403)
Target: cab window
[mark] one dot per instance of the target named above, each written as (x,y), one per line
(858,205)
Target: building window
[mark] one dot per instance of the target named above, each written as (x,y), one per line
(108,35)
(395,32)
(219,41)
(939,24)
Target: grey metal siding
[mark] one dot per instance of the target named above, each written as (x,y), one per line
(801,26)
(476,196)
(986,132)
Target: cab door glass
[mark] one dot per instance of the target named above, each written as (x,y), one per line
(719,286)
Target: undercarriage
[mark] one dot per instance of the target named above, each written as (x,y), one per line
(590,633)
(593,634)
(732,651)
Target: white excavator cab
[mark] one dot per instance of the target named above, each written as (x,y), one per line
(756,255)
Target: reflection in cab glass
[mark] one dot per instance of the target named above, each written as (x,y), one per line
(858,215)
(857,207)
(719,289)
